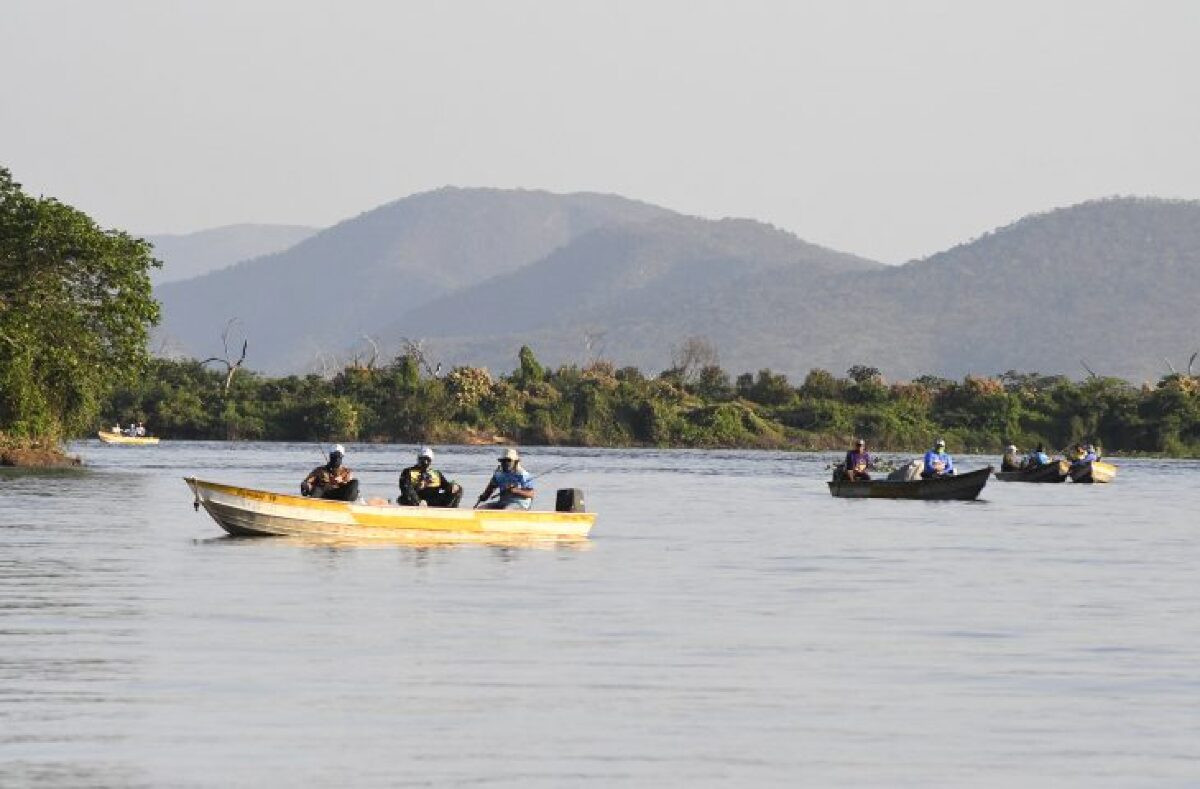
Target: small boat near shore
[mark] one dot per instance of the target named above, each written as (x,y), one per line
(109,437)
(1093,471)
(958,487)
(1054,471)
(246,512)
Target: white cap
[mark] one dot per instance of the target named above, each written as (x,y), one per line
(941,442)
(339,449)
(510,454)
(425,452)
(1011,448)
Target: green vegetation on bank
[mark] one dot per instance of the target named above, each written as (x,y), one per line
(689,406)
(75,308)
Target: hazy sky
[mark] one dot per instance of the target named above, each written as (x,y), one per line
(887,129)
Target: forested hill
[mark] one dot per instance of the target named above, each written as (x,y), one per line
(474,274)
(1108,284)
(313,301)
(188,255)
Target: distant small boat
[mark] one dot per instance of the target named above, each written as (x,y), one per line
(957,487)
(1093,471)
(246,512)
(109,437)
(1054,471)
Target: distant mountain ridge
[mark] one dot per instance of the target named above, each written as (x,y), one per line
(474,274)
(325,293)
(187,255)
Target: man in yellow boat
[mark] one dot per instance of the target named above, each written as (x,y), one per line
(332,480)
(1082,455)
(424,483)
(512,482)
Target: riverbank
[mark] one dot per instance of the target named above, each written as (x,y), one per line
(35,455)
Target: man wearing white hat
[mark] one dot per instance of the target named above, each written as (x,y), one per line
(512,482)
(938,462)
(332,480)
(424,483)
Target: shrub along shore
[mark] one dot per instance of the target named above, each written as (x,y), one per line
(685,406)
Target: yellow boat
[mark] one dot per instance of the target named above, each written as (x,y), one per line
(109,437)
(1095,471)
(246,512)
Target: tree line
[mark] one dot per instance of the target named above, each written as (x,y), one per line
(687,405)
(76,309)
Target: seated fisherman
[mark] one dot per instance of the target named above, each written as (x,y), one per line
(1037,458)
(513,483)
(1083,455)
(857,462)
(1010,461)
(332,480)
(424,483)
(937,462)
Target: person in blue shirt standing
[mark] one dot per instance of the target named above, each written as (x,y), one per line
(937,462)
(512,482)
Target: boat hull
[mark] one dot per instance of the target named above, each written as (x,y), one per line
(1095,471)
(246,512)
(1055,471)
(117,438)
(960,487)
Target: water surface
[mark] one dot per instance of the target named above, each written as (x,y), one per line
(729,622)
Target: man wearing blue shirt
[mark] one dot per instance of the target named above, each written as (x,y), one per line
(512,482)
(937,462)
(1037,458)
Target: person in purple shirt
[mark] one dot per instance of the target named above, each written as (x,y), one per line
(937,462)
(857,463)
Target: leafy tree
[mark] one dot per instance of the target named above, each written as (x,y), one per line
(75,310)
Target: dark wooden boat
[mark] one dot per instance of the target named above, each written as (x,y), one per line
(1095,471)
(1054,471)
(960,487)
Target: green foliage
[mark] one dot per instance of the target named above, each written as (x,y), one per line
(600,405)
(75,309)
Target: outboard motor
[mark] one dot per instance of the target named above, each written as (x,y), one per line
(569,500)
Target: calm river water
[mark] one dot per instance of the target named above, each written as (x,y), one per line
(729,623)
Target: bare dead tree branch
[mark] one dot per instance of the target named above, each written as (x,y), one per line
(1091,373)
(1190,361)
(374,351)
(231,367)
(1170,366)
(417,351)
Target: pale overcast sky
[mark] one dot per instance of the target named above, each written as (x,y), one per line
(887,129)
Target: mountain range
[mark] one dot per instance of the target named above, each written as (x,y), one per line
(187,255)
(472,274)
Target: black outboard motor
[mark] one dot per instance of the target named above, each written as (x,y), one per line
(569,500)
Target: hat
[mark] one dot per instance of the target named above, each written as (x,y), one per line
(860,441)
(510,454)
(338,449)
(1010,448)
(425,452)
(941,442)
